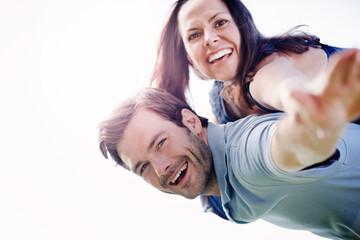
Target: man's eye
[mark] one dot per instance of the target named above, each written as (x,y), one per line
(161,143)
(193,36)
(220,23)
(143,168)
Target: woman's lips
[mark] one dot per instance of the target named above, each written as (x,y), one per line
(218,56)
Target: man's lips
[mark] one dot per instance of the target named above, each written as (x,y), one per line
(179,175)
(219,55)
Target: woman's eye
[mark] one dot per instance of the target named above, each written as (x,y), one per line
(143,168)
(220,23)
(193,36)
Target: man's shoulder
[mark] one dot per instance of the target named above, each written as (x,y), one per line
(249,124)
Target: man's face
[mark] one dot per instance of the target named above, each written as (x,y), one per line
(169,157)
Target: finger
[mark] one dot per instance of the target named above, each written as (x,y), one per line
(354,110)
(340,66)
(353,60)
(357,69)
(319,112)
(310,105)
(307,100)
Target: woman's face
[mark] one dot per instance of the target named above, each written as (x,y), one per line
(211,38)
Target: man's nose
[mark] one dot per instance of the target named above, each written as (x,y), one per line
(210,38)
(161,165)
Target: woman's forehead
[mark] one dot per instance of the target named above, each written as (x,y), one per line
(195,10)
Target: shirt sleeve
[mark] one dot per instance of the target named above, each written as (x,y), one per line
(251,159)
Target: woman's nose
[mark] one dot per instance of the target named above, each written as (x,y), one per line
(210,38)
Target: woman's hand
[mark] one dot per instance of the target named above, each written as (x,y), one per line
(334,98)
(309,132)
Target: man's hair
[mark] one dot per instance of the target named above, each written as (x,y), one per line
(154,99)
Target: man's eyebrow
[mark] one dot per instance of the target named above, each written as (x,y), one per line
(137,166)
(155,137)
(210,19)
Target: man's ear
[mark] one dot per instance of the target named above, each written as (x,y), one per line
(191,121)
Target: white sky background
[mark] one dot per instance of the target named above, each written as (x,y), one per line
(64,65)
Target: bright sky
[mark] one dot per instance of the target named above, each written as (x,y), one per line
(64,65)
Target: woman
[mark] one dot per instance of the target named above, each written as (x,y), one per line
(254,74)
(219,40)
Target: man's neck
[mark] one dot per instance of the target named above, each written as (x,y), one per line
(203,135)
(212,187)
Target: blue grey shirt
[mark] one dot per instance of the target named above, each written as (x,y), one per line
(323,199)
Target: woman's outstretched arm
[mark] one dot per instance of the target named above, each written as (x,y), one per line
(309,132)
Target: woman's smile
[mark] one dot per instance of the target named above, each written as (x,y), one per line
(220,55)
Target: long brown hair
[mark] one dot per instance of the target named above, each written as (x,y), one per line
(171,71)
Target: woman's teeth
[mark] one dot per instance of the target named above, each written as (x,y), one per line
(219,55)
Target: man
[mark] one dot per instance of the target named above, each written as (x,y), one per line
(299,170)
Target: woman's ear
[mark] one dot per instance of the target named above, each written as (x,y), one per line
(191,121)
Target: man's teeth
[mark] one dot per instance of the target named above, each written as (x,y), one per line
(219,54)
(179,173)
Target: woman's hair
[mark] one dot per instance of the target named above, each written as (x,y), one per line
(171,71)
(157,100)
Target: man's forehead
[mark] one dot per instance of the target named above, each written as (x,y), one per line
(147,116)
(139,133)
(138,127)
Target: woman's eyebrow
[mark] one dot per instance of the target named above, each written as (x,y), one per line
(210,19)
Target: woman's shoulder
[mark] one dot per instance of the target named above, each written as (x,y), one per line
(309,63)
(218,104)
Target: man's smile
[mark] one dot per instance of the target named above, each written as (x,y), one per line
(179,175)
